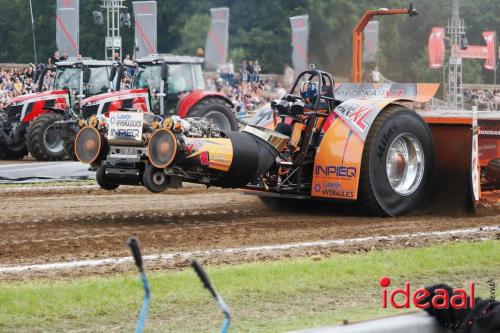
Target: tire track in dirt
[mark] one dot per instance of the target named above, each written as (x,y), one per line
(43,226)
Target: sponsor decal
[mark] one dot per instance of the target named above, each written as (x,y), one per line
(345,194)
(335,188)
(125,125)
(489,132)
(337,171)
(356,114)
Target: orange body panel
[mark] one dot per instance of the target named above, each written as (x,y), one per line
(337,163)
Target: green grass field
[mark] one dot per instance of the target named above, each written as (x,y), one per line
(263,297)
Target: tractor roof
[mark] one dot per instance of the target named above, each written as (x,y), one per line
(171,59)
(84,61)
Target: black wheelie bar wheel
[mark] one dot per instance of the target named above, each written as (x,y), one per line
(155,179)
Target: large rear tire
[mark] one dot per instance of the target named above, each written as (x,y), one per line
(397,164)
(102,180)
(43,142)
(218,111)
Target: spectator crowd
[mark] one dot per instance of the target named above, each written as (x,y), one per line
(15,82)
(247,87)
(21,81)
(244,84)
(485,99)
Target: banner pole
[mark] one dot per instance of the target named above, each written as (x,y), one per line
(33,31)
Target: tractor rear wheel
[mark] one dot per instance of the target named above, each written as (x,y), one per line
(218,111)
(42,139)
(104,183)
(397,164)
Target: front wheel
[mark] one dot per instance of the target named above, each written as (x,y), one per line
(13,152)
(102,180)
(155,179)
(397,164)
(216,110)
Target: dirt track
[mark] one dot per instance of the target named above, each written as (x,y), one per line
(60,224)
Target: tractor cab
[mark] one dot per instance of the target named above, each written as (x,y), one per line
(168,78)
(83,78)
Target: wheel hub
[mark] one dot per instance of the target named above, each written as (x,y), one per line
(159,178)
(405,164)
(53,142)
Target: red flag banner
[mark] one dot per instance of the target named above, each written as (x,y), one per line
(490,39)
(475,52)
(436,47)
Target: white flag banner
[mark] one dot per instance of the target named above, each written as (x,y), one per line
(67,27)
(300,41)
(217,38)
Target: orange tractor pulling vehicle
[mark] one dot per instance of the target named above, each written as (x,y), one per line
(354,142)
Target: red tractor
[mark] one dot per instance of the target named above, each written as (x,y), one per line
(27,123)
(166,85)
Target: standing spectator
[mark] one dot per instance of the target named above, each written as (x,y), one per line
(257,70)
(55,58)
(129,65)
(251,72)
(128,61)
(230,72)
(243,71)
(223,72)
(288,76)
(375,75)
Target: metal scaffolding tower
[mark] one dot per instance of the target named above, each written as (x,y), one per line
(113,41)
(456,33)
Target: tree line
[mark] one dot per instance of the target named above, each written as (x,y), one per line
(260,29)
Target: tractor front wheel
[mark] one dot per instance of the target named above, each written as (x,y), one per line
(397,164)
(216,110)
(9,152)
(15,151)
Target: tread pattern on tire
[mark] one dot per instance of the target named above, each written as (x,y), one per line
(367,184)
(35,137)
